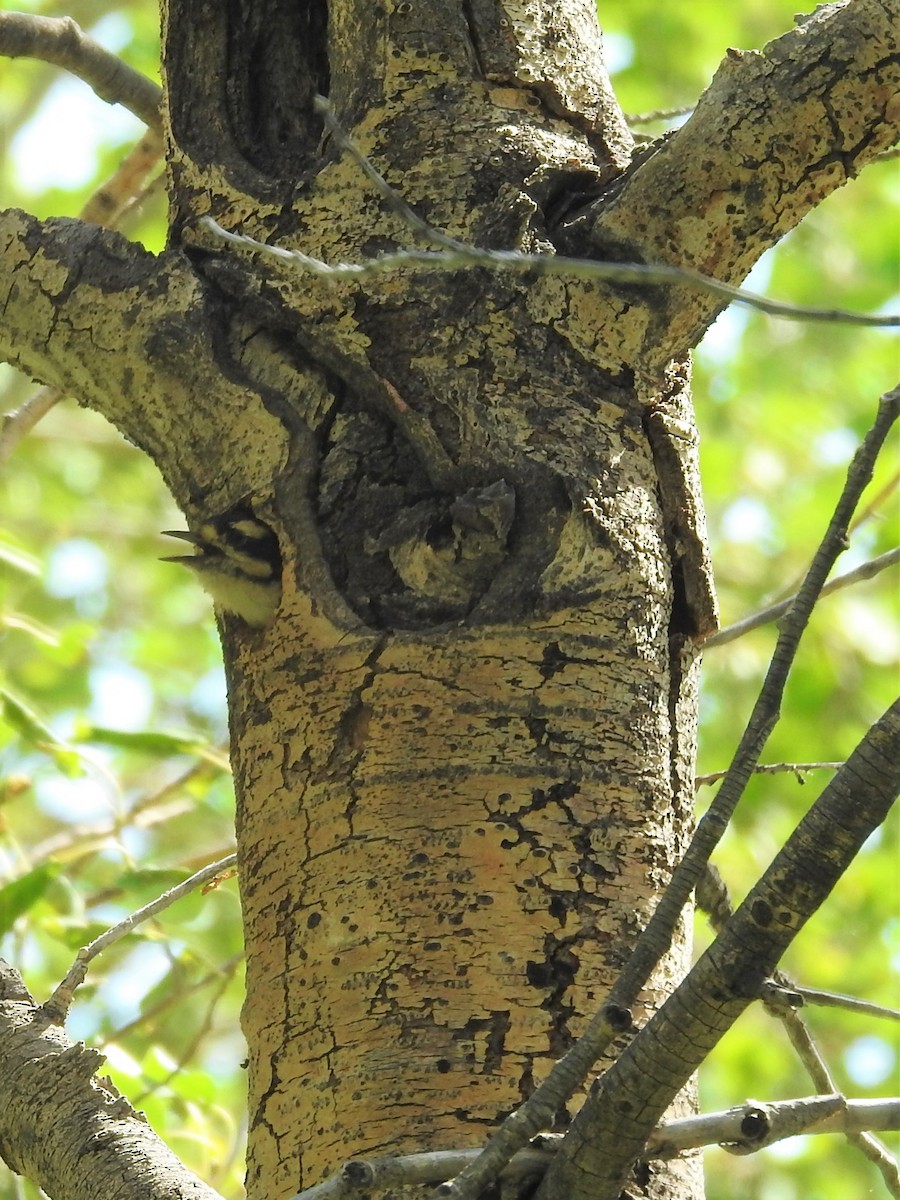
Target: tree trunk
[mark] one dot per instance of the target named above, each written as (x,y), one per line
(464,746)
(464,750)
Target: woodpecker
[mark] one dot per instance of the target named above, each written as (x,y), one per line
(237,561)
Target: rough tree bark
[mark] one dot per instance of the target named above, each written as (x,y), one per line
(464,747)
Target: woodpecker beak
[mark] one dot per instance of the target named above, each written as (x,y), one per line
(185,535)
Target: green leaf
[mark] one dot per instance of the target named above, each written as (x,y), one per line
(74,934)
(158,745)
(23,893)
(35,733)
(154,743)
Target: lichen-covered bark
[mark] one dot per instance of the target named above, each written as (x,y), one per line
(776,132)
(460,780)
(63,1127)
(464,748)
(457,846)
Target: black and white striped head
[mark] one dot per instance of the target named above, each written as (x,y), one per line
(238,562)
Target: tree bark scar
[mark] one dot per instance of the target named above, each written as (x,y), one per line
(672,434)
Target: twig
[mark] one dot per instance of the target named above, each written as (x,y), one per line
(866,570)
(59,40)
(753,1126)
(614,1016)
(872,508)
(181,996)
(109,203)
(60,1001)
(468,258)
(869,511)
(798,769)
(457,255)
(19,422)
(850,1003)
(105,207)
(187,1052)
(149,809)
(803,1043)
(742,1130)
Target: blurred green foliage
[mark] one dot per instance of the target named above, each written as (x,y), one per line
(113,783)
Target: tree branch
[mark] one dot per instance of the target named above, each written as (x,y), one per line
(866,570)
(598,1151)
(66,1130)
(106,207)
(782,999)
(799,769)
(744,1129)
(59,40)
(457,256)
(60,1001)
(850,1003)
(130,335)
(775,132)
(50,328)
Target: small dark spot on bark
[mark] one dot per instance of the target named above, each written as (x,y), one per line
(755,1125)
(539,975)
(443,1066)
(432,945)
(643,1174)
(493,1055)
(537,727)
(619,1018)
(313,920)
(762,913)
(552,661)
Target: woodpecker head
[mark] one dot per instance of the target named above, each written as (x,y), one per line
(237,560)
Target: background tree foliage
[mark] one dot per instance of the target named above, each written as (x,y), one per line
(114,782)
